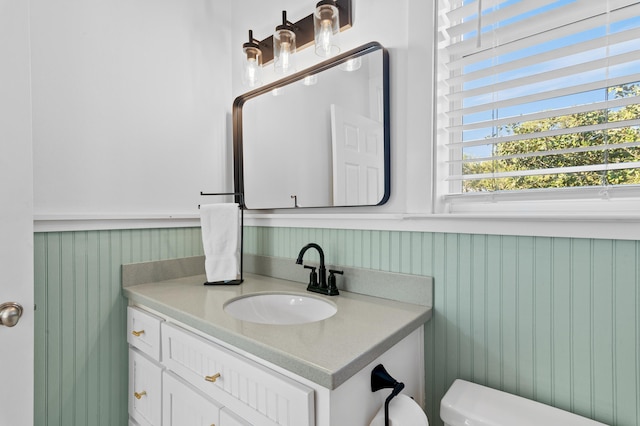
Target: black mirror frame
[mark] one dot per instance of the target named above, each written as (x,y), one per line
(238,103)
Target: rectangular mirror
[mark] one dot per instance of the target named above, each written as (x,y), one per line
(318,138)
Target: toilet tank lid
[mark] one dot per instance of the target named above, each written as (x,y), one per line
(469,403)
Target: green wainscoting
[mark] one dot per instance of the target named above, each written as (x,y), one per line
(80,331)
(553,319)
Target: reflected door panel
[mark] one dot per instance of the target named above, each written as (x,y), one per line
(358,158)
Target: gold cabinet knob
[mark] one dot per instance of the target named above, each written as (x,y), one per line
(213,378)
(139,395)
(137,333)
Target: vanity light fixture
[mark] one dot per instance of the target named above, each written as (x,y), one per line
(325,26)
(252,65)
(319,28)
(284,46)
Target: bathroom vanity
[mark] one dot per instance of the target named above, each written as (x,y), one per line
(193,363)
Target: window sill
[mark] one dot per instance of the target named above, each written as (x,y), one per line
(624,226)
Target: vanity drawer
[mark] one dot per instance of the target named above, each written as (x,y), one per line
(260,395)
(183,405)
(143,332)
(145,389)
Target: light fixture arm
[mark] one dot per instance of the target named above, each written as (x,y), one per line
(286,24)
(252,39)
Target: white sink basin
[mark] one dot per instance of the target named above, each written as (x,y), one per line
(280,308)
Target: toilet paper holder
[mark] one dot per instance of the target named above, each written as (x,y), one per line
(381,379)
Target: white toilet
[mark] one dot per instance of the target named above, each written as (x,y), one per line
(467,403)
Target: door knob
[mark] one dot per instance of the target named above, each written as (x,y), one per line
(10,313)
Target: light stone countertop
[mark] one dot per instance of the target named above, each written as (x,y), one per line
(326,352)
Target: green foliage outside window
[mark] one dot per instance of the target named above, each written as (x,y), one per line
(565,150)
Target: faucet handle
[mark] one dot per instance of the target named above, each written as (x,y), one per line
(332,289)
(313,276)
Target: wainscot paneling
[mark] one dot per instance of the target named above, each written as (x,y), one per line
(80,331)
(552,319)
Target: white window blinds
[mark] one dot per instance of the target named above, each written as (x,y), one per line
(538,96)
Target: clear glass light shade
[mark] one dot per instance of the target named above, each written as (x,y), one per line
(284,49)
(251,68)
(326,26)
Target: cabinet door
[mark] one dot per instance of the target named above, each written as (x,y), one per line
(227,418)
(145,389)
(183,405)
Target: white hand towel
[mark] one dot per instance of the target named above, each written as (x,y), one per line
(220,238)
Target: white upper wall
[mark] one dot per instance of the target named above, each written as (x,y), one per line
(131,104)
(132,100)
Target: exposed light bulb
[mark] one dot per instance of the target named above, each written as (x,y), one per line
(251,66)
(325,25)
(324,39)
(251,72)
(284,47)
(284,51)
(285,57)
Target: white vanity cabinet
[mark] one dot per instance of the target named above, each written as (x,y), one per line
(202,383)
(194,381)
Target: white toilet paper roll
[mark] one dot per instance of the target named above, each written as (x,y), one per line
(403,411)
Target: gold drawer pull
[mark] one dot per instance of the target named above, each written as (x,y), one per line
(213,378)
(139,395)
(137,333)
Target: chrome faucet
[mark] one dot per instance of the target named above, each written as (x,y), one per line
(318,282)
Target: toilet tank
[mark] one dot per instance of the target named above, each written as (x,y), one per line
(467,403)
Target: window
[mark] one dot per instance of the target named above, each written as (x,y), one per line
(538,99)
